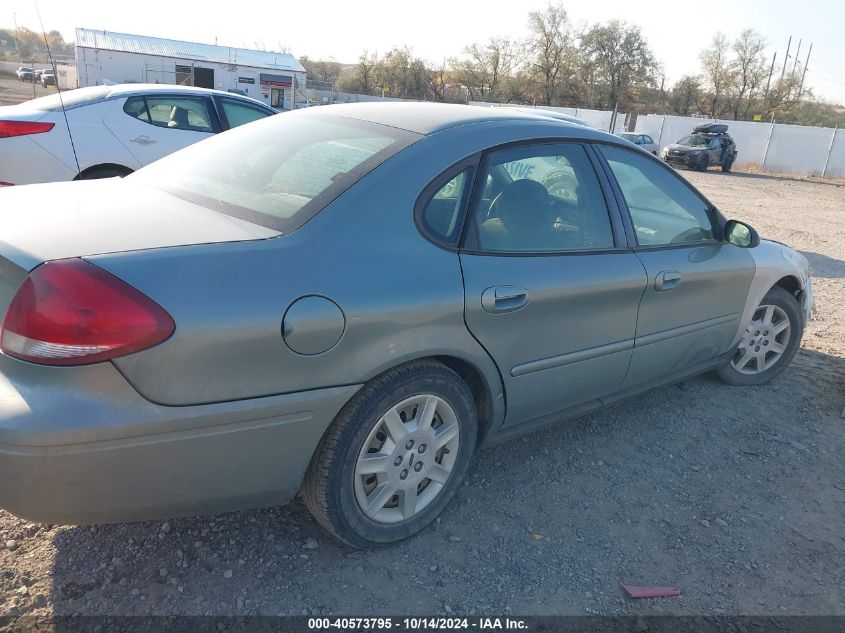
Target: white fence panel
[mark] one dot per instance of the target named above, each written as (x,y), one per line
(798,149)
(750,140)
(836,161)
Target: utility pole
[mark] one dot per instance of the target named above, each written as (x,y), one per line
(788,44)
(769,80)
(15,19)
(795,63)
(804,72)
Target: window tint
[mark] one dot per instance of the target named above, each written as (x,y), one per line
(136,107)
(239,113)
(441,214)
(278,172)
(181,113)
(543,198)
(663,208)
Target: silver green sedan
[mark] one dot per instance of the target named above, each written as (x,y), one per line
(349,301)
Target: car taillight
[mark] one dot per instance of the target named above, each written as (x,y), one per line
(23,128)
(70,312)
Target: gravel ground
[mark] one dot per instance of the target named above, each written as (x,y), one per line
(735,495)
(13,91)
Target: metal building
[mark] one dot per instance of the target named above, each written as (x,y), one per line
(108,57)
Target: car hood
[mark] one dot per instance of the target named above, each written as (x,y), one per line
(77,219)
(684,148)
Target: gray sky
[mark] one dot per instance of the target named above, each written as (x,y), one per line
(437,29)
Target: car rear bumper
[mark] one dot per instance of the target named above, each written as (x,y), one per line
(79,445)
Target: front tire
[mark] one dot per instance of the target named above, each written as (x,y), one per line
(769,342)
(394,456)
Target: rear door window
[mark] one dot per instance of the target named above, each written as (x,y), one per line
(181,113)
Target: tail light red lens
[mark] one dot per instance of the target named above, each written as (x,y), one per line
(70,312)
(23,128)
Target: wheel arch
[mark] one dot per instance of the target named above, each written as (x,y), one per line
(486,387)
(93,168)
(791,284)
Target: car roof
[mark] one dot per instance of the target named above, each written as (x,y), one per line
(550,114)
(428,118)
(117,90)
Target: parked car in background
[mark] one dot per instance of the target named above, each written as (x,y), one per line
(643,140)
(48,78)
(25,73)
(115,129)
(709,144)
(346,301)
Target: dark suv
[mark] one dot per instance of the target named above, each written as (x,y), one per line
(709,144)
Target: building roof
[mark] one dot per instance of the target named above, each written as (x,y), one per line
(145,45)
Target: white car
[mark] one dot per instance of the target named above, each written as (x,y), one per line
(114,129)
(643,140)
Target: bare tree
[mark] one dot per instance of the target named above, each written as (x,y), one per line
(486,69)
(550,48)
(361,77)
(749,70)
(686,95)
(717,70)
(436,81)
(621,59)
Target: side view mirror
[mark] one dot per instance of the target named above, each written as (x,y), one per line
(741,234)
(638,142)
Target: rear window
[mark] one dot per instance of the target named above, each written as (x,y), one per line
(70,98)
(279,172)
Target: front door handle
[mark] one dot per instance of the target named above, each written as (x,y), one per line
(502,299)
(666,280)
(142,140)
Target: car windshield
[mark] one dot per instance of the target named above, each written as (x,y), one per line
(695,140)
(279,172)
(69,98)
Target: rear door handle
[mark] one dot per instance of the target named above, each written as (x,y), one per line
(502,299)
(666,280)
(142,140)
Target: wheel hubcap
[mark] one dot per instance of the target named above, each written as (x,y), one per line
(406,459)
(764,341)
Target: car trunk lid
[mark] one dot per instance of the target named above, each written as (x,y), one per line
(79,219)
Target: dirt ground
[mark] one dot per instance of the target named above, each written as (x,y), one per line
(13,91)
(735,495)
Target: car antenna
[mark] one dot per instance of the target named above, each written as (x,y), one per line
(58,90)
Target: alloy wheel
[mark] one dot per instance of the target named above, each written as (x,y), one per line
(406,459)
(764,342)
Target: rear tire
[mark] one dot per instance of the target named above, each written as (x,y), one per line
(367,484)
(769,342)
(726,166)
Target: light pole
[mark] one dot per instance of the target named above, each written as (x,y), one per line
(15,19)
